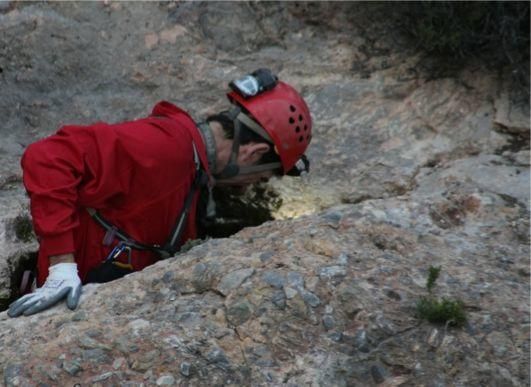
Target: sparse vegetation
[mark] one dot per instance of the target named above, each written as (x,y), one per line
(439,311)
(459,29)
(433,274)
(442,311)
(495,33)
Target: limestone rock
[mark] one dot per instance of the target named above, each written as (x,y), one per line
(407,172)
(355,306)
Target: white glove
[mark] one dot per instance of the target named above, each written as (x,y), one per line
(63,281)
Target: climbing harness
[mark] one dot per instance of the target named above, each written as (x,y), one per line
(170,247)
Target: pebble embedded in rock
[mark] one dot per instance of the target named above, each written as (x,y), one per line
(166,380)
(274,279)
(73,367)
(185,368)
(329,322)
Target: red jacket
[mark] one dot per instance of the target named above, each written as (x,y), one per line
(136,174)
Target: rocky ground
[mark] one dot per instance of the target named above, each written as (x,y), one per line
(408,171)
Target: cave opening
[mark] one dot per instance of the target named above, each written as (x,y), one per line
(235,210)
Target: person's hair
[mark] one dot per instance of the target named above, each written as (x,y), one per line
(246,136)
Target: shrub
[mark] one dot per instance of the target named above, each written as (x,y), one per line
(458,29)
(439,311)
(497,33)
(443,311)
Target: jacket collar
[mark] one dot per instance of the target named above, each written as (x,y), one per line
(167,109)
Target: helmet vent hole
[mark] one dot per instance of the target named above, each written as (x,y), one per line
(291,120)
(300,117)
(301,139)
(297,129)
(292,108)
(305,127)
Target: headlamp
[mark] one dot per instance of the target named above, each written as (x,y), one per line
(255,83)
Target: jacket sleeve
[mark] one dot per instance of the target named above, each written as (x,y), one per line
(54,169)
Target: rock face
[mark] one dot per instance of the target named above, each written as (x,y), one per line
(408,172)
(324,299)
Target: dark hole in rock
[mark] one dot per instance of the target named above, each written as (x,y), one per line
(20,264)
(235,211)
(23,228)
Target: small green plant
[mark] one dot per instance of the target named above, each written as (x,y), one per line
(433,274)
(443,311)
(440,311)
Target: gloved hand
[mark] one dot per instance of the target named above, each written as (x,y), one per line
(63,281)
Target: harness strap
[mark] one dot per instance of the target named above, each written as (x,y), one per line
(120,234)
(200,179)
(170,247)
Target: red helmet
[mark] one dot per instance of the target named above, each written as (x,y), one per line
(285,116)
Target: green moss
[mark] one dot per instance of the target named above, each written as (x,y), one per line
(443,311)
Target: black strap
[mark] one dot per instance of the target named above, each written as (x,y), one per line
(122,235)
(172,243)
(232,168)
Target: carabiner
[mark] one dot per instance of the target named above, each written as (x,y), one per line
(118,250)
(115,253)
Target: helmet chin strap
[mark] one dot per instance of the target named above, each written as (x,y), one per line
(259,168)
(232,168)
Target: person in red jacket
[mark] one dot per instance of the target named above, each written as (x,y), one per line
(108,199)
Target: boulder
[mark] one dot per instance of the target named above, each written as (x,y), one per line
(327,298)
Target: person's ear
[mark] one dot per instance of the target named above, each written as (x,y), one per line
(254,151)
